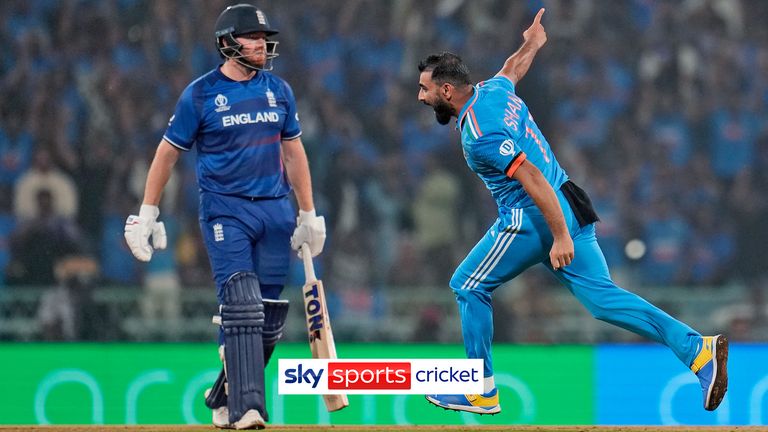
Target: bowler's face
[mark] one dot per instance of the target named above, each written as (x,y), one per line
(432,94)
(427,89)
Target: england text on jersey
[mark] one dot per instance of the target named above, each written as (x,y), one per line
(249,118)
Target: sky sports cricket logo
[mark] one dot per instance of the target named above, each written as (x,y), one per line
(382,376)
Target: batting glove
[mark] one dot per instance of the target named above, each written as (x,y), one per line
(310,229)
(139,228)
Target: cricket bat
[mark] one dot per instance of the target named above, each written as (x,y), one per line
(319,324)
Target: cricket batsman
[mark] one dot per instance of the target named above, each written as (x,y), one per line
(243,121)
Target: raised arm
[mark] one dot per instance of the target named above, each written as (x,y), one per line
(537,187)
(518,63)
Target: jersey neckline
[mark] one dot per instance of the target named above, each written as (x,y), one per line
(466,107)
(223,77)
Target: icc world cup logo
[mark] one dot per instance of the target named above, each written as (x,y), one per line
(221,103)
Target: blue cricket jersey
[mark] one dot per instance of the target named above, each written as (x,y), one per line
(497,135)
(238,127)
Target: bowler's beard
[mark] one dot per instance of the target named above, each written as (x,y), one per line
(443,112)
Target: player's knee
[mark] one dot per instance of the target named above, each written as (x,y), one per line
(461,282)
(457,280)
(600,313)
(242,306)
(471,296)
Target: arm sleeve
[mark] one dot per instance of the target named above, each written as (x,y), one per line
(499,151)
(291,127)
(185,122)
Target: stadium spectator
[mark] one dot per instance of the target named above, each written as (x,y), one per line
(67,311)
(43,175)
(39,242)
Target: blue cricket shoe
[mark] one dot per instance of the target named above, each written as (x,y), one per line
(486,403)
(711,367)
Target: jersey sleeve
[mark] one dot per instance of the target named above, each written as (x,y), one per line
(291,128)
(500,152)
(183,125)
(501,81)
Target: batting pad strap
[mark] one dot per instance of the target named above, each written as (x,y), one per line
(233,317)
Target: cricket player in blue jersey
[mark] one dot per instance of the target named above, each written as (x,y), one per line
(243,121)
(542,218)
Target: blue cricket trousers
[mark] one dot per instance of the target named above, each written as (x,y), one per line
(521,238)
(243,235)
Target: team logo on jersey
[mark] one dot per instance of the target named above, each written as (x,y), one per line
(507,148)
(271,99)
(218,232)
(221,103)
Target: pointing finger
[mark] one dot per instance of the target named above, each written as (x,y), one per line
(537,19)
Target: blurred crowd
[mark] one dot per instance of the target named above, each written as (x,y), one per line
(655,107)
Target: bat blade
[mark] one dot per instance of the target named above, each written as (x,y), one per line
(321,334)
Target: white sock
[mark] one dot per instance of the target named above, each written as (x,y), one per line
(488,384)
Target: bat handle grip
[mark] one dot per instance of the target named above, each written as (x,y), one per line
(309,268)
